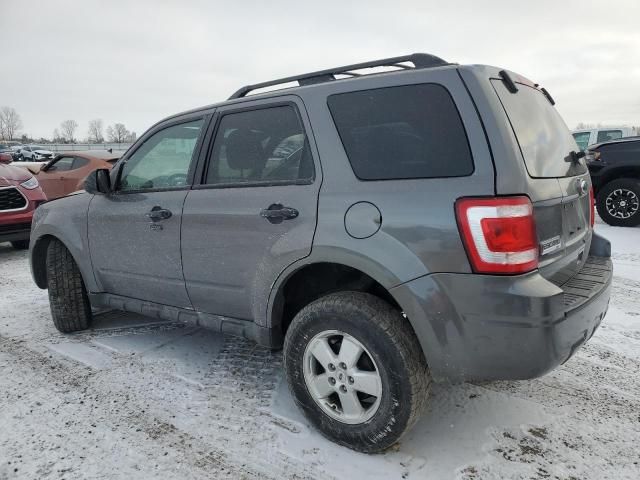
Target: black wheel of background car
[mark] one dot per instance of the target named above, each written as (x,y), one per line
(70,307)
(20,244)
(356,370)
(618,202)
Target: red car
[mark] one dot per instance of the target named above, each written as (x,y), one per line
(5,157)
(20,194)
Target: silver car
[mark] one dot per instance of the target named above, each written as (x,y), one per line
(387,230)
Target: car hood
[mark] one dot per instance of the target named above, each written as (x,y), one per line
(44,152)
(9,175)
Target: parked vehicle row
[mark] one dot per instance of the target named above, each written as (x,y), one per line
(27,152)
(60,176)
(590,136)
(433,223)
(66,172)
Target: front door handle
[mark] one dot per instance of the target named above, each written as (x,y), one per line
(158,213)
(276,213)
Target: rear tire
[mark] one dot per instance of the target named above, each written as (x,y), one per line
(389,348)
(20,244)
(618,202)
(70,307)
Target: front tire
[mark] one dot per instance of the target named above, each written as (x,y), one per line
(70,307)
(356,370)
(618,202)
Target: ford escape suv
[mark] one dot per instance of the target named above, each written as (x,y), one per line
(389,224)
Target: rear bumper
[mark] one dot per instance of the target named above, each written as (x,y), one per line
(482,327)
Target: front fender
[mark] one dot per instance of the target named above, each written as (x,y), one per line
(64,219)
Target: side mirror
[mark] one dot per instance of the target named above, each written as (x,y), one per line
(98,182)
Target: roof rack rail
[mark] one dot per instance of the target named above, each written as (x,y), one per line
(419,60)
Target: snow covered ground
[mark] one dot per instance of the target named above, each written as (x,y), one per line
(137,398)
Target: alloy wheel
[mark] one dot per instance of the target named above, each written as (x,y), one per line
(622,203)
(342,377)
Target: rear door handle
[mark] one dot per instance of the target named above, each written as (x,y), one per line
(276,213)
(158,213)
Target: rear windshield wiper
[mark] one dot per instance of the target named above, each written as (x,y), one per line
(548,95)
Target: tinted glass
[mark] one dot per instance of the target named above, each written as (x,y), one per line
(544,139)
(412,131)
(260,146)
(163,160)
(79,162)
(61,165)
(582,139)
(606,135)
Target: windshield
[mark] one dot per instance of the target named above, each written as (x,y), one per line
(37,147)
(544,139)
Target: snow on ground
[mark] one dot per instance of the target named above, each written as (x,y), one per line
(138,398)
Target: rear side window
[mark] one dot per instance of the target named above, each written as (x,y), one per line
(79,162)
(412,131)
(606,135)
(544,139)
(62,164)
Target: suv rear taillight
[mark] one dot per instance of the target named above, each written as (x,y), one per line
(499,234)
(592,207)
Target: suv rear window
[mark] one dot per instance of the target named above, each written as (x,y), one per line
(544,139)
(606,135)
(412,131)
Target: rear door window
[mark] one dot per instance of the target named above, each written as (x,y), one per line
(412,131)
(259,147)
(544,139)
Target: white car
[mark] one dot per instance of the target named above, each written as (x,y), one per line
(36,153)
(591,136)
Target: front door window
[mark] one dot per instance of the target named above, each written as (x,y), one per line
(163,160)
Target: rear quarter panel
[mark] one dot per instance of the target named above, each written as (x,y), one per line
(512,177)
(418,233)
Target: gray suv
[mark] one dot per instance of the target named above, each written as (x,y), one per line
(428,222)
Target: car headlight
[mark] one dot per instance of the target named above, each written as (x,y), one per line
(30,184)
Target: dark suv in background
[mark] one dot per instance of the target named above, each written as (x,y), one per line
(433,222)
(615,173)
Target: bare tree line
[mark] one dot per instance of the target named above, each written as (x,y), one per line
(11,127)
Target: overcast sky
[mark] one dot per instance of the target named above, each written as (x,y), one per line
(136,62)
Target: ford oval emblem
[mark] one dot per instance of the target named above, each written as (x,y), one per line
(583,186)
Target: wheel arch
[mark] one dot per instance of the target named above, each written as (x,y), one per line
(618,173)
(309,279)
(38,260)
